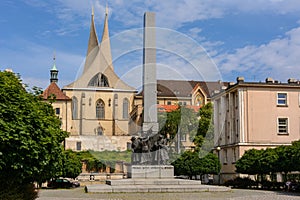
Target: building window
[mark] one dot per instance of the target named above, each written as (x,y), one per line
(169,103)
(282,125)
(74,108)
(57,111)
(282,99)
(100,109)
(225,156)
(99,80)
(78,146)
(125,108)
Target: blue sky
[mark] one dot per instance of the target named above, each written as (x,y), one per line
(197,39)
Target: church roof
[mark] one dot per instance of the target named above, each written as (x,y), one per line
(99,63)
(93,39)
(181,88)
(53,89)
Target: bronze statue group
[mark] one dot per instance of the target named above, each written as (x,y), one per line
(149,150)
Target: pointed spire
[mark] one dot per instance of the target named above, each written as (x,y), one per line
(53,71)
(93,39)
(105,42)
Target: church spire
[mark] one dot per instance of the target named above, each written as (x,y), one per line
(93,39)
(53,72)
(105,42)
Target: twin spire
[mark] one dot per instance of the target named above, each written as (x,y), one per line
(93,39)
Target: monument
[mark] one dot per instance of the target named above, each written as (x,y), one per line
(150,171)
(150,151)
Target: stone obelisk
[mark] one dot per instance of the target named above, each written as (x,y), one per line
(149,76)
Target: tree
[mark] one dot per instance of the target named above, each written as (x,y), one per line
(249,162)
(205,129)
(191,164)
(30,136)
(72,165)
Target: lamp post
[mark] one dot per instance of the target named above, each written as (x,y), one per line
(219,176)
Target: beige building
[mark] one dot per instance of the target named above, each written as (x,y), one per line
(254,115)
(99,102)
(170,95)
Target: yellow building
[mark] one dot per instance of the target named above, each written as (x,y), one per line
(97,111)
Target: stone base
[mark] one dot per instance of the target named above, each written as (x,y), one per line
(153,185)
(152,171)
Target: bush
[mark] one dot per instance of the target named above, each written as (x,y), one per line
(240,183)
(15,191)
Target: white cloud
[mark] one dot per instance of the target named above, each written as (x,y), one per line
(278,58)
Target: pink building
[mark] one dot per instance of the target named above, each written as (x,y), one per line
(254,115)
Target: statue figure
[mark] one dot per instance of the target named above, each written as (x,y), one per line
(151,149)
(136,148)
(161,153)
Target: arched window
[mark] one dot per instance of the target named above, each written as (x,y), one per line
(100,109)
(199,100)
(99,80)
(125,108)
(74,108)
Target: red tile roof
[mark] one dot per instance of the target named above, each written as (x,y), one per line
(170,108)
(53,89)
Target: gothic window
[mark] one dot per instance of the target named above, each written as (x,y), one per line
(100,109)
(125,108)
(99,80)
(74,108)
(199,100)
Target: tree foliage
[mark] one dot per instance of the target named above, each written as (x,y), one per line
(271,160)
(72,165)
(192,164)
(30,134)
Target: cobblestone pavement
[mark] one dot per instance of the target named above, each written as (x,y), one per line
(235,194)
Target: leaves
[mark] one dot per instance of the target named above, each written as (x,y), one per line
(30,134)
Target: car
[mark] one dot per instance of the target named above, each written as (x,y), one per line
(62,183)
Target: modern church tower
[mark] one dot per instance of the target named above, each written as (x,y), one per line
(101,101)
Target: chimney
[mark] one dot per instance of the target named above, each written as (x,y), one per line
(240,79)
(269,80)
(292,81)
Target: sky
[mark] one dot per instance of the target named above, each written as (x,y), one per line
(196,39)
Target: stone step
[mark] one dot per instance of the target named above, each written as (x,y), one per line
(103,188)
(153,182)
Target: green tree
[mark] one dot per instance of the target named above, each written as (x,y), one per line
(72,165)
(249,162)
(205,129)
(191,164)
(30,136)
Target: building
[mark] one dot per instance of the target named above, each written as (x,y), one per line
(99,102)
(254,115)
(174,93)
(101,112)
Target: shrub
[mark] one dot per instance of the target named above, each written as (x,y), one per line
(240,183)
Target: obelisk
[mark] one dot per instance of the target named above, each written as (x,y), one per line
(149,76)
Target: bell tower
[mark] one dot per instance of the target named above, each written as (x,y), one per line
(53,72)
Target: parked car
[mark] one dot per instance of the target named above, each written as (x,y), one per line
(62,183)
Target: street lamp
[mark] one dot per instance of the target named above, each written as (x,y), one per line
(219,176)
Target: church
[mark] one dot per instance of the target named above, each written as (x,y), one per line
(100,111)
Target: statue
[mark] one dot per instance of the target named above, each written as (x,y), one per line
(151,149)
(161,153)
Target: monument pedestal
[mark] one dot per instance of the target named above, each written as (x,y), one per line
(151,172)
